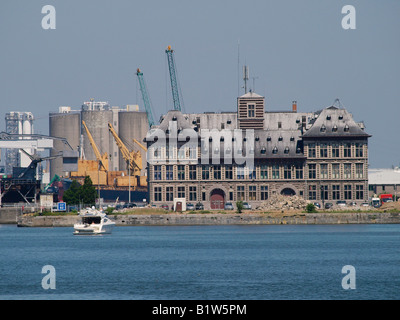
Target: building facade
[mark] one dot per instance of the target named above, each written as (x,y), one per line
(248,155)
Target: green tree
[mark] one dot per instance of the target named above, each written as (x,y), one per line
(88,192)
(310,208)
(239,206)
(71,196)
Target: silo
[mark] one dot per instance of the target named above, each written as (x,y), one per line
(26,127)
(97,123)
(63,125)
(133,125)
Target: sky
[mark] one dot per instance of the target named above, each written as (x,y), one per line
(295,50)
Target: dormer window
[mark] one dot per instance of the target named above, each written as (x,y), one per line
(286,151)
(291,138)
(275,150)
(268,138)
(334,128)
(298,150)
(263,150)
(251,110)
(346,128)
(341,117)
(210,139)
(222,139)
(323,128)
(229,122)
(174,118)
(257,138)
(280,138)
(328,117)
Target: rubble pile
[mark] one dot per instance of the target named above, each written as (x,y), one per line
(281,202)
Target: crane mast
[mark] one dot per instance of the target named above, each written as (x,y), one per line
(103,159)
(172,74)
(145,96)
(133,158)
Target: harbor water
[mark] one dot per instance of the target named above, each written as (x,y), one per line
(202,263)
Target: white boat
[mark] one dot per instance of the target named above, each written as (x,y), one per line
(93,222)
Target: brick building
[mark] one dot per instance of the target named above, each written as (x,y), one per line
(250,154)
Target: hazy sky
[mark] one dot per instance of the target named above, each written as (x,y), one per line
(295,50)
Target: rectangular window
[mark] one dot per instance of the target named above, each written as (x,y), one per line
(240,193)
(359,192)
(336,192)
(228,172)
(347,150)
(312,171)
(230,196)
(157,194)
(335,150)
(287,172)
(324,193)
(203,196)
(252,193)
(312,192)
(192,193)
(205,172)
(264,192)
(359,150)
(157,172)
(169,194)
(323,150)
(347,191)
(192,172)
(169,172)
(311,150)
(323,171)
(181,192)
(299,171)
(347,171)
(336,171)
(264,171)
(240,173)
(251,111)
(275,172)
(217,172)
(359,170)
(181,172)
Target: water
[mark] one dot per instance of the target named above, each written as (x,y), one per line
(202,262)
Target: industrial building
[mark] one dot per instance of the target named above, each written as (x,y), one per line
(321,156)
(129,123)
(384,181)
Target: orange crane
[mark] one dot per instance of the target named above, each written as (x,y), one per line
(102,158)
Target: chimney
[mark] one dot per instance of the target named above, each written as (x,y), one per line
(294,106)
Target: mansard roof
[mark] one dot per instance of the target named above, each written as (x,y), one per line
(334,122)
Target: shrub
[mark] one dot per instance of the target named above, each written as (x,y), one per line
(310,208)
(239,206)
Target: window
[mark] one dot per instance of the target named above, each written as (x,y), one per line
(181,192)
(299,171)
(252,174)
(323,150)
(169,172)
(181,172)
(205,172)
(156,153)
(323,171)
(359,150)
(192,172)
(240,173)
(347,171)
(240,193)
(251,111)
(157,194)
(192,193)
(312,192)
(275,172)
(359,192)
(263,171)
(336,171)
(335,150)
(312,171)
(217,172)
(228,172)
(157,172)
(347,191)
(279,125)
(336,192)
(347,150)
(324,193)
(311,150)
(252,193)
(264,192)
(359,170)
(169,194)
(287,172)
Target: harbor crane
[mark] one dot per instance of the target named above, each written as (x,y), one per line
(133,158)
(146,98)
(172,74)
(103,159)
